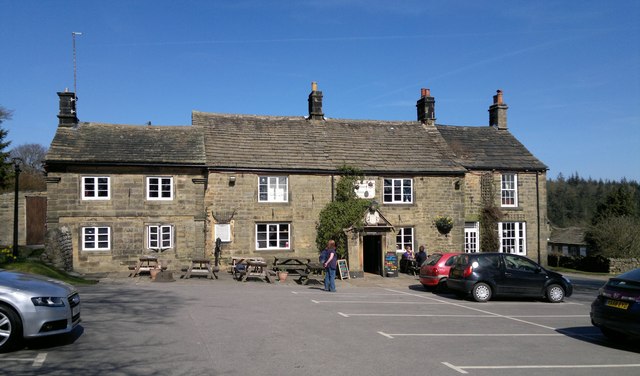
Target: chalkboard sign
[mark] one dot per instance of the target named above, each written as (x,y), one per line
(391,264)
(343,269)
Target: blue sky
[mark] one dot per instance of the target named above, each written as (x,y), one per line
(570,71)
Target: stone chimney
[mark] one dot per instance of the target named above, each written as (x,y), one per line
(67,116)
(315,103)
(498,112)
(426,106)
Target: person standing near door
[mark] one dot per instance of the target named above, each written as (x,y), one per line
(330,267)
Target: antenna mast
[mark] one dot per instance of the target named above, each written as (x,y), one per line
(75,88)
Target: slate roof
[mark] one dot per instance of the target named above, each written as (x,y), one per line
(568,235)
(295,143)
(487,148)
(127,144)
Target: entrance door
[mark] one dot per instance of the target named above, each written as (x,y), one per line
(36,220)
(372,254)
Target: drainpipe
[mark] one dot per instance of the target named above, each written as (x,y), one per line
(333,178)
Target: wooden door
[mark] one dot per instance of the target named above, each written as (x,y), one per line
(36,220)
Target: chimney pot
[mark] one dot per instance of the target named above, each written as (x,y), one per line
(314,86)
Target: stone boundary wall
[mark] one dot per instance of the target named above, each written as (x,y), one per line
(58,250)
(618,265)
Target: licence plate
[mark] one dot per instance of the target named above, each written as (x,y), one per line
(75,310)
(617,304)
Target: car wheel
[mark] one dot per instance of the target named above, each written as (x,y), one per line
(481,292)
(555,293)
(10,329)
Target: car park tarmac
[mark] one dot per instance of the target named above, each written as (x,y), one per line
(371,326)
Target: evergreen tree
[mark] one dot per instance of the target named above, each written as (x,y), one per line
(4,155)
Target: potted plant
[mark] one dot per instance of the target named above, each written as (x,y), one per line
(444,224)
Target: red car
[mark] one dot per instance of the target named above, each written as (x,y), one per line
(435,270)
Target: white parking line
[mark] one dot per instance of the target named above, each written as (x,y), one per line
(371,302)
(35,362)
(394,335)
(461,369)
(492,316)
(477,310)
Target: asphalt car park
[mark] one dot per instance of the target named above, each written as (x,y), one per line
(391,326)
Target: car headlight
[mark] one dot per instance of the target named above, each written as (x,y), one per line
(48,301)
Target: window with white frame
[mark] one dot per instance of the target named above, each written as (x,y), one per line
(471,232)
(404,238)
(273,189)
(96,188)
(96,238)
(513,237)
(272,236)
(398,191)
(159,188)
(509,190)
(160,237)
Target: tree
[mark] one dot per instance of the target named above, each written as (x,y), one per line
(32,156)
(346,211)
(4,163)
(614,229)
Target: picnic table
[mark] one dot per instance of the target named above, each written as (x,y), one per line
(255,268)
(144,265)
(201,267)
(303,267)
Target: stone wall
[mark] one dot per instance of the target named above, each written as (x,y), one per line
(6,218)
(618,266)
(58,250)
(309,194)
(128,213)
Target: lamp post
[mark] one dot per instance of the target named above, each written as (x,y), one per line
(16,169)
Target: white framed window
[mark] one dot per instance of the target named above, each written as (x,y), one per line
(273,189)
(159,237)
(398,191)
(159,188)
(96,238)
(404,238)
(513,237)
(471,236)
(509,190)
(96,188)
(223,231)
(273,236)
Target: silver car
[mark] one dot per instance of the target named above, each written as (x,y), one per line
(34,306)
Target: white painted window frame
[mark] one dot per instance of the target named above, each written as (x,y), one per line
(98,187)
(509,190)
(273,232)
(160,242)
(404,234)
(99,233)
(398,186)
(164,185)
(276,188)
(513,237)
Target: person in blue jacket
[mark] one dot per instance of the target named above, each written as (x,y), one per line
(330,267)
